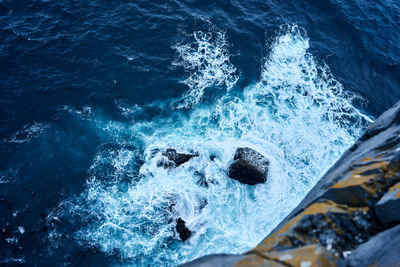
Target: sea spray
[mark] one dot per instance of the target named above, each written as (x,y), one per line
(297,115)
(207,59)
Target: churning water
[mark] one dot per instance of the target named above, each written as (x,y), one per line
(94,92)
(297,115)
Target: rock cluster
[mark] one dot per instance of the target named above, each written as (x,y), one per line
(248,167)
(350,218)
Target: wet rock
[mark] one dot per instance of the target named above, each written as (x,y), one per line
(154,152)
(183,231)
(388,207)
(249,166)
(175,159)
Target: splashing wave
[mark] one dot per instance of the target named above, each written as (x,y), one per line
(207,61)
(298,115)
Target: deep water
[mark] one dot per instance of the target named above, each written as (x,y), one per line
(92,90)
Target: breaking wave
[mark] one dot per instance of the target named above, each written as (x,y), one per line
(297,115)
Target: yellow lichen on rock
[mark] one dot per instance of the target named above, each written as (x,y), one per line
(310,255)
(283,237)
(395,190)
(254,260)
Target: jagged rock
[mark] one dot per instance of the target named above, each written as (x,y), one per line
(345,218)
(175,159)
(381,250)
(249,166)
(388,207)
(183,231)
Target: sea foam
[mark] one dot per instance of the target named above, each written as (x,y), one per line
(297,114)
(207,59)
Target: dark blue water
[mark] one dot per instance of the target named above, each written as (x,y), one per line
(90,88)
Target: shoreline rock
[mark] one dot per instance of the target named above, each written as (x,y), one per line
(175,159)
(183,231)
(249,166)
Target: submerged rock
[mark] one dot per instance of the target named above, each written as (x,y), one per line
(175,159)
(183,231)
(202,181)
(249,166)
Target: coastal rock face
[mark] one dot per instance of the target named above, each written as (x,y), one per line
(388,207)
(249,166)
(381,250)
(350,218)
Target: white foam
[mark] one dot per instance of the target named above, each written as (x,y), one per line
(28,132)
(297,115)
(207,61)
(9,175)
(21,230)
(129,111)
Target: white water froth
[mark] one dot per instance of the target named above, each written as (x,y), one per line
(28,132)
(207,60)
(297,115)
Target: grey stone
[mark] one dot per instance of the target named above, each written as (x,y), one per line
(380,250)
(388,207)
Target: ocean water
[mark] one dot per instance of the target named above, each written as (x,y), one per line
(93,92)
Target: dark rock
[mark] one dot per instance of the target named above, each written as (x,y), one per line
(153,152)
(175,159)
(166,163)
(249,166)
(388,207)
(183,231)
(380,250)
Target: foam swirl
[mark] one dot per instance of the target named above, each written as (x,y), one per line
(207,61)
(298,115)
